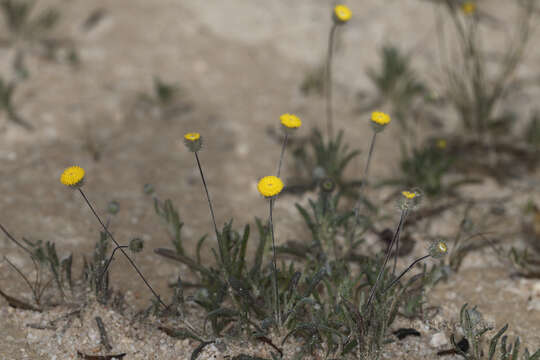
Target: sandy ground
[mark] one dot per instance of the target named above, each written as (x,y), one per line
(239,64)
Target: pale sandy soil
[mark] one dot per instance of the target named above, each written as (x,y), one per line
(240,64)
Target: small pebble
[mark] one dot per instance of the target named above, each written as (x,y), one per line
(437,340)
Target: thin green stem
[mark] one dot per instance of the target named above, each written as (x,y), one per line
(208,198)
(122,250)
(404,272)
(387,256)
(396,253)
(19,244)
(110,260)
(328,82)
(275,280)
(282,152)
(363,183)
(370,153)
(26,280)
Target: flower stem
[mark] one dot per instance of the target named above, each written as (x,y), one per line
(209,204)
(363,183)
(328,82)
(276,293)
(122,250)
(405,271)
(387,256)
(282,152)
(110,260)
(370,153)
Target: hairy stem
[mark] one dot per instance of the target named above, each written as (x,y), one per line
(275,281)
(387,256)
(121,249)
(282,152)
(328,82)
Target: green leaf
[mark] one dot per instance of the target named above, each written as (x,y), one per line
(494,341)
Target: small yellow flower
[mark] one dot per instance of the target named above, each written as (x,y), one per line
(193,141)
(380,118)
(438,249)
(72,176)
(270,186)
(409,199)
(442,247)
(290,121)
(192,136)
(468,7)
(409,195)
(441,144)
(342,13)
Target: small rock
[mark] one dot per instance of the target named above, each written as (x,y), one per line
(536,289)
(439,339)
(534,305)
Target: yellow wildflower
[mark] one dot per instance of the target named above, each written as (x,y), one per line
(468,7)
(438,249)
(409,195)
(193,141)
(342,14)
(290,121)
(72,176)
(441,144)
(380,118)
(192,136)
(270,186)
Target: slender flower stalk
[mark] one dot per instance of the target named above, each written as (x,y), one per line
(193,142)
(436,250)
(341,15)
(328,82)
(274,185)
(404,214)
(121,248)
(370,153)
(282,153)
(404,272)
(270,187)
(207,196)
(290,123)
(407,202)
(379,121)
(274,265)
(73,177)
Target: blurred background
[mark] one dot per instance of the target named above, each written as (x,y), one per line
(113,86)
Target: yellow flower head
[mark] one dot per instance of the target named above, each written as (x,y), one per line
(193,141)
(342,14)
(438,249)
(192,136)
(72,176)
(409,199)
(441,144)
(379,120)
(270,186)
(408,195)
(468,7)
(290,121)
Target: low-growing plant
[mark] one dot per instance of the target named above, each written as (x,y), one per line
(532,130)
(165,101)
(397,85)
(27,29)
(475,328)
(48,267)
(474,92)
(325,159)
(7,91)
